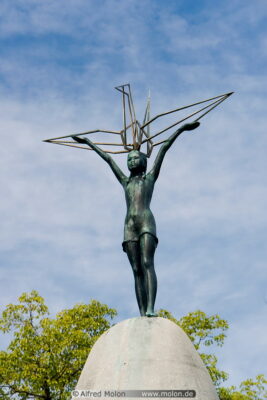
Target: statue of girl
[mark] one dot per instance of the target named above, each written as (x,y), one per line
(140,237)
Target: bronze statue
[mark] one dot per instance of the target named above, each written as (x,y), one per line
(140,237)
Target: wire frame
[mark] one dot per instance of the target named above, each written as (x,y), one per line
(140,134)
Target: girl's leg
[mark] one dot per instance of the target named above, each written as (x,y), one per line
(148,246)
(133,253)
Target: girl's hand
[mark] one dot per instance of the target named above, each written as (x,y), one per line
(79,139)
(191,126)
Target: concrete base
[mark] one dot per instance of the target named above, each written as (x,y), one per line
(145,354)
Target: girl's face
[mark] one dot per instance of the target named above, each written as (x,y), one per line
(136,161)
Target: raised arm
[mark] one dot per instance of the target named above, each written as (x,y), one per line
(166,145)
(116,170)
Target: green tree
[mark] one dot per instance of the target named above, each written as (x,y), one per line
(248,390)
(46,355)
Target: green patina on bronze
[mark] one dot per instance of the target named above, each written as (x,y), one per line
(140,237)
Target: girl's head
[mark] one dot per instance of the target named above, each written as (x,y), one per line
(137,161)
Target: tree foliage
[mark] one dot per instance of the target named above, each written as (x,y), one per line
(248,390)
(46,355)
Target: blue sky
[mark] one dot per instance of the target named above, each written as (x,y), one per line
(62,211)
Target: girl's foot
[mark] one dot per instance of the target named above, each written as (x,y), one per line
(151,314)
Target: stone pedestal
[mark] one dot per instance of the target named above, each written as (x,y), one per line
(145,354)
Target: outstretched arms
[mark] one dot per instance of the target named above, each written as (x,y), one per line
(166,145)
(116,170)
